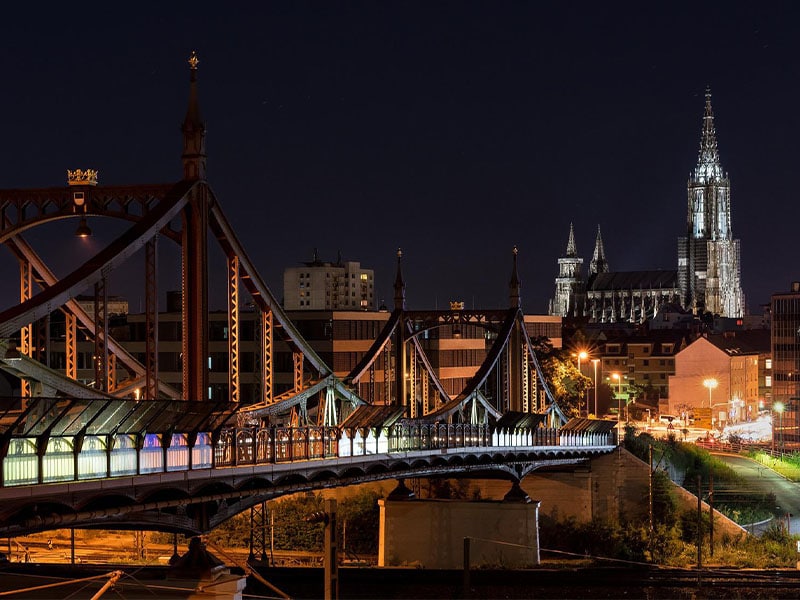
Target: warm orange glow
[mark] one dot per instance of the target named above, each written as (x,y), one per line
(83,230)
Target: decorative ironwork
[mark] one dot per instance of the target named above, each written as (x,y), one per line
(266,356)
(82,177)
(26,332)
(233,328)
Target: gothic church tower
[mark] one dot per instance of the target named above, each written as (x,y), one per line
(708,257)
(568,300)
(598,264)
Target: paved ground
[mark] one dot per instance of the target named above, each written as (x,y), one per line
(759,477)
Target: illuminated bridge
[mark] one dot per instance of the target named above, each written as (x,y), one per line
(128,449)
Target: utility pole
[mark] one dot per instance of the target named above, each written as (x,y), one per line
(699,528)
(330,551)
(650,497)
(711,513)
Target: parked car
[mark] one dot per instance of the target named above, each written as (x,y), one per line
(666,419)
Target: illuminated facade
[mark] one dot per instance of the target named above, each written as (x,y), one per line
(737,363)
(708,257)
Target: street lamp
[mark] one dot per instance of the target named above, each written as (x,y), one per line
(710,383)
(582,355)
(778,407)
(594,362)
(618,378)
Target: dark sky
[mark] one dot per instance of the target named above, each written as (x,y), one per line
(454,130)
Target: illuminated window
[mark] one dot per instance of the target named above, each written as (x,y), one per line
(768,381)
(768,363)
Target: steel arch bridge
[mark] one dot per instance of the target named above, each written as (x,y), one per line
(185,213)
(61,420)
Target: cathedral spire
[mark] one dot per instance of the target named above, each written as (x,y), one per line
(514,300)
(572,250)
(709,257)
(194,130)
(708,165)
(598,264)
(399,285)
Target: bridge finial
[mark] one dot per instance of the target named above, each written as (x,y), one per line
(514,298)
(194,130)
(399,285)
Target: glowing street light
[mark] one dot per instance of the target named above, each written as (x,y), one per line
(582,355)
(710,383)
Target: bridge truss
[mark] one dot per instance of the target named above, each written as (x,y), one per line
(188,214)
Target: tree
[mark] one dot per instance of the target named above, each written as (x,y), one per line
(568,385)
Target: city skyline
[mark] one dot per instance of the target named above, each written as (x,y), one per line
(454,131)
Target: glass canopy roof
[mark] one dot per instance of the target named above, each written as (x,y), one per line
(73,416)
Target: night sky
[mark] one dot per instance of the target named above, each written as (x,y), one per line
(452,130)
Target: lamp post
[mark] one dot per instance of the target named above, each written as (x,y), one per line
(778,407)
(594,362)
(710,383)
(618,378)
(582,355)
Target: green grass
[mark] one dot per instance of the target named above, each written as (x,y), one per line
(788,465)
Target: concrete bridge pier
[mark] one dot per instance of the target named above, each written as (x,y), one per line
(205,574)
(517,494)
(401,492)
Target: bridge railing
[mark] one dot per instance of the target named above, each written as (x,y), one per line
(549,436)
(254,445)
(99,457)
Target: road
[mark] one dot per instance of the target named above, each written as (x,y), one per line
(759,477)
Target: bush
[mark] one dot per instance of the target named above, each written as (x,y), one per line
(358,518)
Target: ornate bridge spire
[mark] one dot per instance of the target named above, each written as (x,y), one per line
(598,264)
(194,130)
(514,298)
(399,285)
